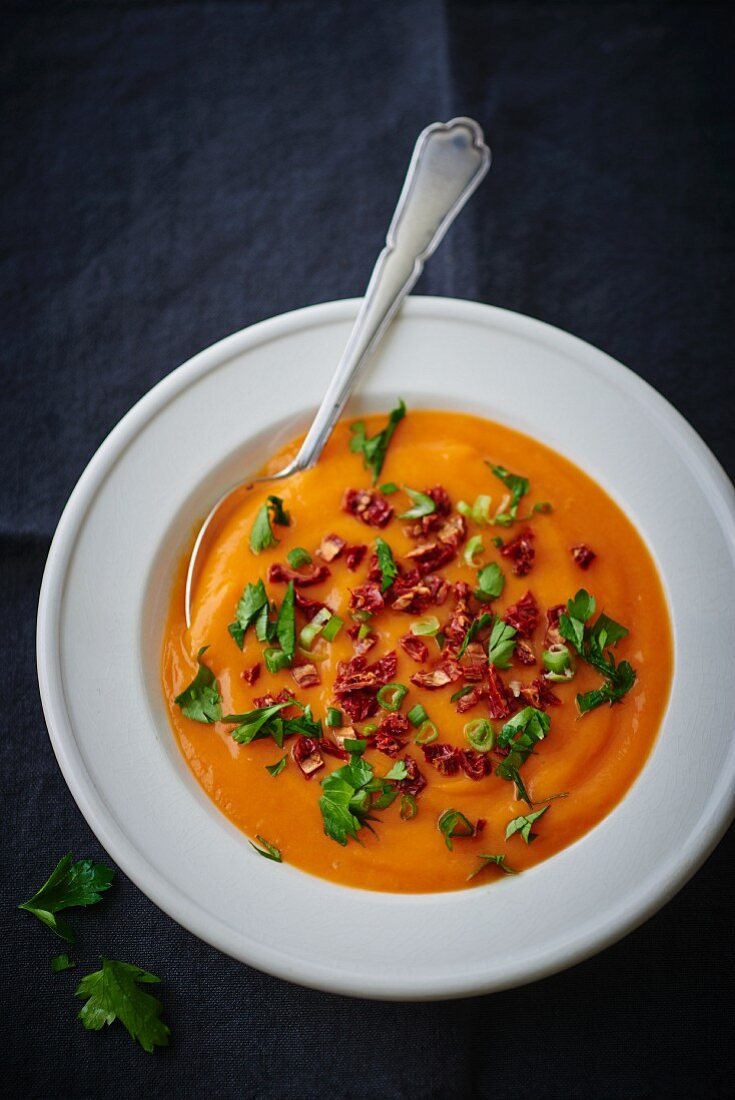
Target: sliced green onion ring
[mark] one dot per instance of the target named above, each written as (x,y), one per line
(481,509)
(417,715)
(391,696)
(409,807)
(480,734)
(464,508)
(334,718)
(315,627)
(332,629)
(429,625)
(427,733)
(275,659)
(471,551)
(557,659)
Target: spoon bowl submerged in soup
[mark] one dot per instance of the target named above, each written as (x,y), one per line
(433,660)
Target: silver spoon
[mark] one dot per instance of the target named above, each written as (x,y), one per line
(449,160)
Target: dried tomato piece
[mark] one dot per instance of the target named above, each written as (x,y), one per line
(441,499)
(414,594)
(304,578)
(331,748)
(331,547)
(365,644)
(416,648)
(250,675)
(270,700)
(369,506)
(389,737)
(444,758)
(524,652)
(538,694)
(385,669)
(474,663)
(305,752)
(354,555)
(309,607)
(553,634)
(453,532)
(306,676)
(475,765)
(397,725)
(358,703)
(500,700)
(357,684)
(367,597)
(414,782)
(461,618)
(523,615)
(521,552)
(471,699)
(431,556)
(427,524)
(583,555)
(447,672)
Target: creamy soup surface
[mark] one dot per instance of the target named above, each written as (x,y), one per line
(459,753)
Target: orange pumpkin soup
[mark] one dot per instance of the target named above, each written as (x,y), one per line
(441,655)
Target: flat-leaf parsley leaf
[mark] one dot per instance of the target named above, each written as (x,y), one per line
(200,701)
(386,564)
(113,993)
(375,449)
(590,643)
(69,884)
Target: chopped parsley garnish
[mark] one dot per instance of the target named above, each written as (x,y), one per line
(523,825)
(69,885)
(254,598)
(375,449)
(286,623)
(268,850)
(200,701)
(261,533)
(398,771)
(473,630)
(489,861)
(517,486)
(298,557)
(113,993)
(521,734)
(423,505)
(345,801)
(452,825)
(267,722)
(590,643)
(277,768)
(280,515)
(386,564)
(259,723)
(60,963)
(501,645)
(490,583)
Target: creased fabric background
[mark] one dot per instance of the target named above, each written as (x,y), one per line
(175,171)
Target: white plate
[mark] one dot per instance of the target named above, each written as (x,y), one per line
(107,583)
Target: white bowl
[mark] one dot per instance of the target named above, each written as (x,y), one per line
(107,584)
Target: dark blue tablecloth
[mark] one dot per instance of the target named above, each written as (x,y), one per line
(173,172)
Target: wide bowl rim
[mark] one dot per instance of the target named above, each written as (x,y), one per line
(672,875)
